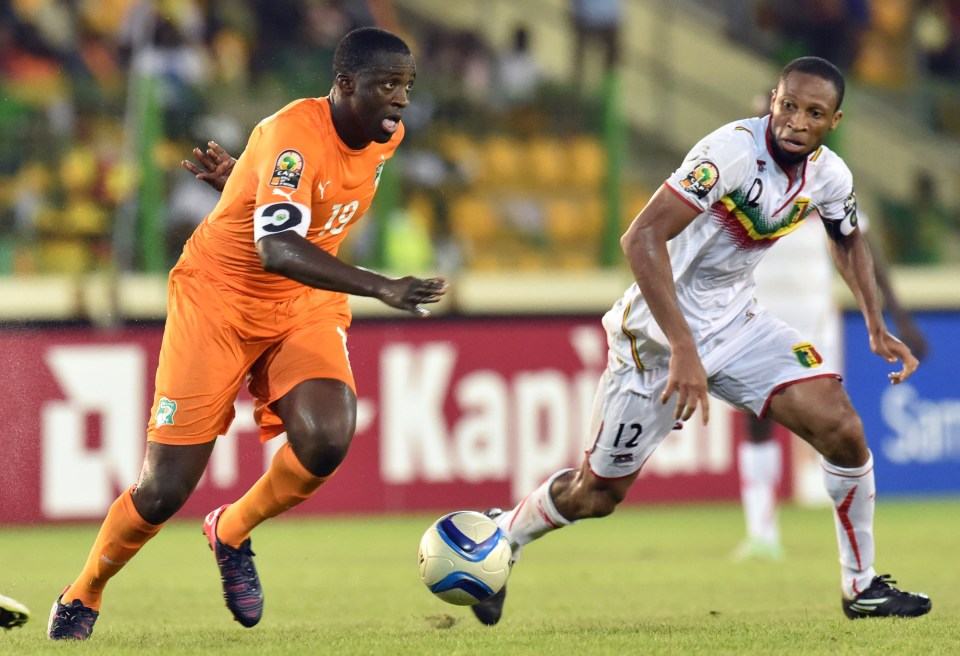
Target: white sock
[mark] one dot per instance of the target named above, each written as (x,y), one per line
(533,517)
(760,464)
(853,492)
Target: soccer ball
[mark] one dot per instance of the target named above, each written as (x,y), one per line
(464,558)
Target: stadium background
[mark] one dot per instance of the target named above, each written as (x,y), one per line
(516,178)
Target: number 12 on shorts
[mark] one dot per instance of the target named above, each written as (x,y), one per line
(632,436)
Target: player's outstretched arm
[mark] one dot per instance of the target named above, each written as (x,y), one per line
(907,328)
(288,254)
(853,260)
(216,162)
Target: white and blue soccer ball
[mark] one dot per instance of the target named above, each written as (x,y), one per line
(464,558)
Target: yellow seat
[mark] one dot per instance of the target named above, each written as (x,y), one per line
(587,161)
(472,218)
(71,256)
(546,162)
(502,161)
(575,218)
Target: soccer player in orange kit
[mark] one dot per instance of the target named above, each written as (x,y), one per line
(259,295)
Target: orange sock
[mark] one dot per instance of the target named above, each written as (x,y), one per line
(121,535)
(282,487)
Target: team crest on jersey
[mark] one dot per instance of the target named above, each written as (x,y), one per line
(701,179)
(807,355)
(165,411)
(376,176)
(287,170)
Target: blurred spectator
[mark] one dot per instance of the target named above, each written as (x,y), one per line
(831,29)
(937,36)
(302,63)
(518,74)
(461,69)
(407,244)
(175,58)
(596,25)
(189,204)
(921,229)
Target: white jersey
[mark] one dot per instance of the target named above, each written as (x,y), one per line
(746,203)
(795,284)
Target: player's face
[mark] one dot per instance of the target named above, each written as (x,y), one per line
(802,112)
(380,95)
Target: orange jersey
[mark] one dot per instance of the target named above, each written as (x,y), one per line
(295,174)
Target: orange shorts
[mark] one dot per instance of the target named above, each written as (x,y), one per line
(216,338)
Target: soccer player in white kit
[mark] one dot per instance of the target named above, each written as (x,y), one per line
(689,325)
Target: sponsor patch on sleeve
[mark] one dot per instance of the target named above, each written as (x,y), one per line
(287,170)
(701,179)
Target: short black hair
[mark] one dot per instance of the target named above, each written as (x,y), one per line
(822,69)
(361,49)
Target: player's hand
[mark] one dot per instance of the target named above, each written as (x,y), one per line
(892,349)
(688,379)
(217,162)
(410,293)
(910,334)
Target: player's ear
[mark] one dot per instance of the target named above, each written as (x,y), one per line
(837,115)
(345,83)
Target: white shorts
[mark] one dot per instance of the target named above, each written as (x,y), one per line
(746,363)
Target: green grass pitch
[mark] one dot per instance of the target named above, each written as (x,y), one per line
(656,580)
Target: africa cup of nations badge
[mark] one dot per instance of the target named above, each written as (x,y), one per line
(701,179)
(287,170)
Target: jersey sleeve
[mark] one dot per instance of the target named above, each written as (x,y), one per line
(286,162)
(838,210)
(718,164)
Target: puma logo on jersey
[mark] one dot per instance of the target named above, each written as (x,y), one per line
(286,194)
(323,188)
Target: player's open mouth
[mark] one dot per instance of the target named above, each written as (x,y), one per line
(390,125)
(792,146)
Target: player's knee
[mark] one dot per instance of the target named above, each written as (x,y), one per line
(322,446)
(158,500)
(844,443)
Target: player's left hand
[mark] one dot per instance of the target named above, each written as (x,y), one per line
(892,349)
(910,334)
(410,293)
(217,162)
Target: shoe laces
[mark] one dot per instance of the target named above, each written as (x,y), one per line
(75,612)
(241,558)
(884,580)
